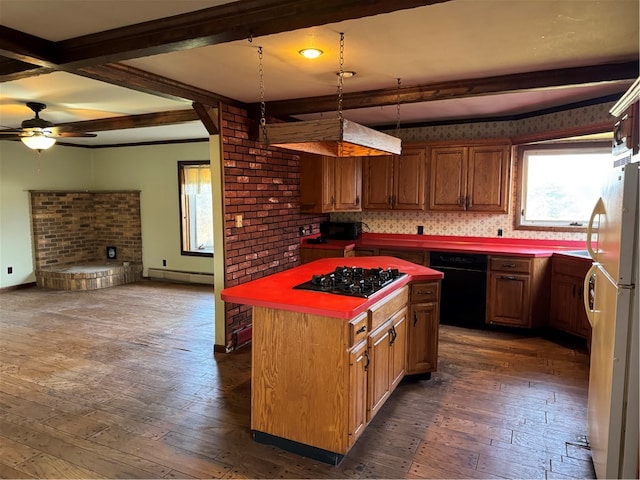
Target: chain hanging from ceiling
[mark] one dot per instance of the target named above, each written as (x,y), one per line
(263,106)
(398,110)
(340,92)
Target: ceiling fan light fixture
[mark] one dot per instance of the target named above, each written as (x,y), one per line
(38,141)
(310,53)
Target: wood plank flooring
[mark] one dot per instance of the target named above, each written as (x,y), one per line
(122,383)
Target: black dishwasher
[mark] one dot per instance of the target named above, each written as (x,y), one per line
(463,297)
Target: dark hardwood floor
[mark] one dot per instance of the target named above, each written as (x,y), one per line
(122,383)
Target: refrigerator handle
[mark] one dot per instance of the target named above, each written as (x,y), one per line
(597,210)
(587,295)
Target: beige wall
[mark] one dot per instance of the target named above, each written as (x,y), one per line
(151,169)
(21,170)
(154,171)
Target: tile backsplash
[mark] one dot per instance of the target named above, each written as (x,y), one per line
(444,223)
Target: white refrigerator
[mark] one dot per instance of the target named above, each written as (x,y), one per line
(612,304)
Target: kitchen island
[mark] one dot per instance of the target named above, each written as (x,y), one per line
(323,364)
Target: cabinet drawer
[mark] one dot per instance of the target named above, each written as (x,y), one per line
(425,292)
(568,266)
(359,328)
(510,264)
(383,310)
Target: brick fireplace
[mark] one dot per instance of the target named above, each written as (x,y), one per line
(71,233)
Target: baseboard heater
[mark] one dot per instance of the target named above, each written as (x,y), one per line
(180,276)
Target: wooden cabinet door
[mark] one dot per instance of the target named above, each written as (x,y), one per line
(582,325)
(422,343)
(327,179)
(398,345)
(409,182)
(347,183)
(358,366)
(448,183)
(377,183)
(563,303)
(509,299)
(379,372)
(311,183)
(488,179)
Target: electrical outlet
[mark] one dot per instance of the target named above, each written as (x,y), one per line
(239,221)
(10,270)
(164,263)
(420,229)
(499,232)
(301,230)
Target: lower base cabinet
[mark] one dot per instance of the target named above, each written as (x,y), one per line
(566,311)
(512,284)
(310,254)
(423,328)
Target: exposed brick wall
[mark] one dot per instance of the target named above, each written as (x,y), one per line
(71,228)
(117,223)
(262,184)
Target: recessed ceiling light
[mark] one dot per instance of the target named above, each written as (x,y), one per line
(310,52)
(346,74)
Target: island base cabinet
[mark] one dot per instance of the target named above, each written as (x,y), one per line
(423,327)
(317,381)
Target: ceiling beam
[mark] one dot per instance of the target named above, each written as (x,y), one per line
(132,121)
(27,48)
(497,85)
(224,23)
(209,116)
(143,81)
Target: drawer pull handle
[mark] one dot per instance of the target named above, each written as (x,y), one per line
(508,277)
(425,292)
(508,265)
(415,318)
(361,329)
(367,360)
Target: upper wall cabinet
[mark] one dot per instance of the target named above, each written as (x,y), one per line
(330,184)
(470,178)
(395,182)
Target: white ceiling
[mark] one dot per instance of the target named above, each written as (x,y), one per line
(458,39)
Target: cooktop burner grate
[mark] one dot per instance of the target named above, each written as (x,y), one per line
(352,281)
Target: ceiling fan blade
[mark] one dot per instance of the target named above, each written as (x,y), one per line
(73,134)
(11,131)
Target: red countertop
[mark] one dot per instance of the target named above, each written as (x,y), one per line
(275,291)
(444,243)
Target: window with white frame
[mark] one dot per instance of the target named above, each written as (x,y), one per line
(560,183)
(196,208)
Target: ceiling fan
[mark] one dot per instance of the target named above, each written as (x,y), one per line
(40,134)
